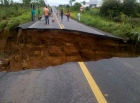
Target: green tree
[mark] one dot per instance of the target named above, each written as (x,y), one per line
(129,7)
(87,9)
(42,2)
(67,6)
(111,8)
(138,9)
(84,2)
(6,2)
(71,1)
(26,1)
(76,6)
(11,2)
(2,2)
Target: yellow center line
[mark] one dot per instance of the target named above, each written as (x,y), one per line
(95,89)
(58,21)
(62,26)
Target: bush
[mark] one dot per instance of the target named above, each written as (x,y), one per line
(87,9)
(129,7)
(94,11)
(76,7)
(11,25)
(4,17)
(3,24)
(111,8)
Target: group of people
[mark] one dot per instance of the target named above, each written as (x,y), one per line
(68,15)
(48,12)
(33,12)
(62,13)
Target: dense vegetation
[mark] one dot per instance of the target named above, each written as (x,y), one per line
(119,18)
(12,14)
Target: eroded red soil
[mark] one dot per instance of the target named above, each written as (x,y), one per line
(34,49)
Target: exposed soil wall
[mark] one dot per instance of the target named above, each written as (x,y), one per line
(31,49)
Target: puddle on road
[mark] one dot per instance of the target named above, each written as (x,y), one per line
(42,48)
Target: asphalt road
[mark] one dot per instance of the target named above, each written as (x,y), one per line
(60,84)
(63,24)
(118,80)
(115,80)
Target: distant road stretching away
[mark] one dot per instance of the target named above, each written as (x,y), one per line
(63,24)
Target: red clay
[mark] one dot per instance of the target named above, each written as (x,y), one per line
(40,49)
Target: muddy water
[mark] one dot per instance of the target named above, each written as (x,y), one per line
(42,48)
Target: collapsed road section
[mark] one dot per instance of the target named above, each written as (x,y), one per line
(33,48)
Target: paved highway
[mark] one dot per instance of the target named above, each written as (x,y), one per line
(115,80)
(63,24)
(59,24)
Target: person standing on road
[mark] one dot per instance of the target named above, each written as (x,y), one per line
(68,15)
(33,14)
(78,15)
(51,10)
(61,14)
(46,14)
(57,13)
(38,13)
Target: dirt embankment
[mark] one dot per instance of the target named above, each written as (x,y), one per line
(32,49)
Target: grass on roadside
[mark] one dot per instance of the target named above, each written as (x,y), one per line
(12,16)
(118,29)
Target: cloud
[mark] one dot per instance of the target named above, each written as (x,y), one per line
(55,2)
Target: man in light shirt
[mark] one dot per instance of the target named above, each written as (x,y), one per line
(78,15)
(46,14)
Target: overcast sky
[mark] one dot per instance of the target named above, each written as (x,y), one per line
(56,2)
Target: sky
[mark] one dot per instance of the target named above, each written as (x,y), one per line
(56,2)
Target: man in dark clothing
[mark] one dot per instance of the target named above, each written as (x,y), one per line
(38,13)
(68,15)
(61,14)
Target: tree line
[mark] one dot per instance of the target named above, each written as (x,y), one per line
(115,8)
(9,2)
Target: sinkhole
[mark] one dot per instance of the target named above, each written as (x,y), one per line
(34,48)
